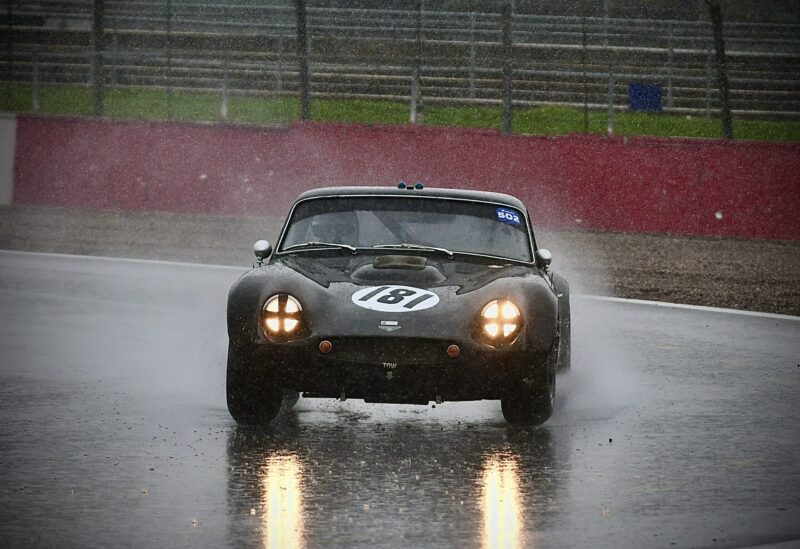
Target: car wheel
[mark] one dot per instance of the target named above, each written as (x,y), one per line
(564,324)
(290,398)
(251,400)
(532,404)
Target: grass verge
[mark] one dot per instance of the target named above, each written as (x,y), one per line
(149,104)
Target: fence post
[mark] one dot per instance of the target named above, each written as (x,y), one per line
(715,10)
(303,54)
(223,107)
(585,41)
(708,81)
(669,64)
(169,59)
(92,60)
(611,100)
(279,76)
(416,75)
(472,54)
(114,46)
(223,104)
(9,58)
(97,72)
(35,83)
(508,68)
(701,19)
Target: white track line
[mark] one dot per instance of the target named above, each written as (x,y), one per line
(579,296)
(241,269)
(684,306)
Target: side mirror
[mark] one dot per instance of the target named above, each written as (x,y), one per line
(544,258)
(262,249)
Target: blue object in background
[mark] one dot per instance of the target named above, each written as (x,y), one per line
(644,97)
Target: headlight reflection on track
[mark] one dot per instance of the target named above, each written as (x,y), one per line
(282,501)
(500,503)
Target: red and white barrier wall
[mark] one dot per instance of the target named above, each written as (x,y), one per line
(641,184)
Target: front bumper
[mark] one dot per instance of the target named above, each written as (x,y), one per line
(404,370)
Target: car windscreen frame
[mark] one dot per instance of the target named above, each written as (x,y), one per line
(530,241)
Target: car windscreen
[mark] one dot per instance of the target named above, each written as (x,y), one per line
(457,225)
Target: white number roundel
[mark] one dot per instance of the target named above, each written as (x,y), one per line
(395,299)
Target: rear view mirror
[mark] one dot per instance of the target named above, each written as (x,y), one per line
(262,249)
(544,258)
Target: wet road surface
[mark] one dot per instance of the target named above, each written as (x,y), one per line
(675,428)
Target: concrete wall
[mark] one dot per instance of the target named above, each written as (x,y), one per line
(682,186)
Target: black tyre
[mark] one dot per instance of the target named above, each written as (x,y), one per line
(252,400)
(564,324)
(290,398)
(532,404)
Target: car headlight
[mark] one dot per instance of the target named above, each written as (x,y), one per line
(500,322)
(281,317)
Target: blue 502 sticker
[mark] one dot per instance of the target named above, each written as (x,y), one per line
(508,216)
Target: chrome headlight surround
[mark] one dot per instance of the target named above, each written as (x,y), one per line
(500,323)
(282,318)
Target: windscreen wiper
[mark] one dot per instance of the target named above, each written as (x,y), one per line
(406,246)
(317,244)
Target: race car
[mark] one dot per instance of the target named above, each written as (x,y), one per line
(400,294)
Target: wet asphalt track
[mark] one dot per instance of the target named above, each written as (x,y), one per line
(675,428)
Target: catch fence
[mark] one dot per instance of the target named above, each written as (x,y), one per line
(419,56)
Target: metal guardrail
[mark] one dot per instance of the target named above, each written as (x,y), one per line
(371,53)
(399,24)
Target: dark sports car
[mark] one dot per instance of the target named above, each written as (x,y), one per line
(404,295)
